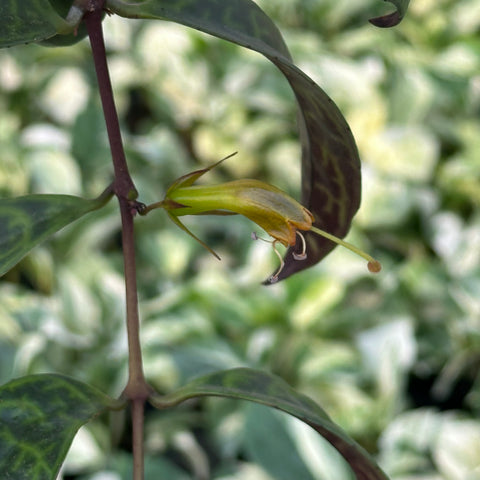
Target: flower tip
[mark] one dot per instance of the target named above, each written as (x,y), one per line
(374,266)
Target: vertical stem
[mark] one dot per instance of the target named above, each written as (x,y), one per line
(137,407)
(136,380)
(123,184)
(137,390)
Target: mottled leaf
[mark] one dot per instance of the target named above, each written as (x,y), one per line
(29,21)
(394,18)
(27,221)
(39,416)
(266,389)
(330,162)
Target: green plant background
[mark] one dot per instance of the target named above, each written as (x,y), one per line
(393,358)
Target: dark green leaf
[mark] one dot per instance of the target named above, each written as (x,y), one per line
(65,40)
(266,389)
(39,416)
(29,21)
(27,221)
(394,18)
(330,161)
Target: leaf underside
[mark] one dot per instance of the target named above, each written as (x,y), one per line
(394,18)
(27,221)
(39,416)
(266,389)
(331,183)
(27,21)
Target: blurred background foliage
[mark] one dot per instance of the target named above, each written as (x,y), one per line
(393,358)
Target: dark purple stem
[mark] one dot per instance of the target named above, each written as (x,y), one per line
(123,184)
(137,390)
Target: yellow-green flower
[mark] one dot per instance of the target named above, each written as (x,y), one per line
(281,216)
(267,206)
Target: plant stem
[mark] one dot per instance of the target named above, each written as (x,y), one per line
(123,184)
(136,386)
(137,390)
(137,407)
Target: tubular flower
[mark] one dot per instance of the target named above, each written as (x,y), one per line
(281,216)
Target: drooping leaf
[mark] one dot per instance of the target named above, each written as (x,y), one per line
(27,221)
(266,389)
(330,161)
(39,416)
(30,21)
(394,18)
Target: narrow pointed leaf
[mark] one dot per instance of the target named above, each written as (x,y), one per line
(330,161)
(24,21)
(266,389)
(27,221)
(394,18)
(39,416)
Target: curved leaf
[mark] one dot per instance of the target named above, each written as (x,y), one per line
(330,161)
(65,40)
(394,18)
(29,21)
(27,221)
(266,389)
(39,416)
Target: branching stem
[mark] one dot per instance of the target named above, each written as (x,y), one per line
(137,390)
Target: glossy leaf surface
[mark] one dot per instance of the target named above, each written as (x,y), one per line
(29,21)
(266,389)
(330,161)
(394,18)
(39,416)
(27,221)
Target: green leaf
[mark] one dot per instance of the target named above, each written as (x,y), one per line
(27,221)
(394,18)
(65,40)
(268,444)
(39,416)
(29,21)
(266,389)
(330,163)
(62,39)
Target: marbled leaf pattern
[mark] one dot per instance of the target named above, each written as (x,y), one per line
(330,163)
(27,221)
(28,21)
(39,416)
